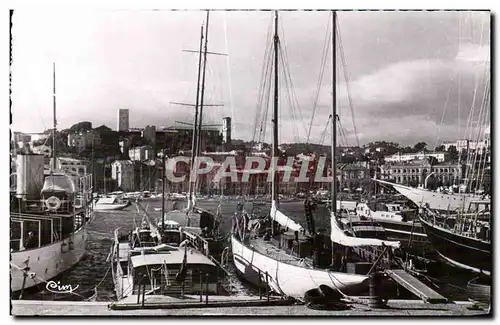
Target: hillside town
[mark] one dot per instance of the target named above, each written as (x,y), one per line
(130,159)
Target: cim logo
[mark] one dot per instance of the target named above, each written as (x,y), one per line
(54,287)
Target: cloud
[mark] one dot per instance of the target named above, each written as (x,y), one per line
(401,66)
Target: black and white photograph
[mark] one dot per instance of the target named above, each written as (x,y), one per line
(278,162)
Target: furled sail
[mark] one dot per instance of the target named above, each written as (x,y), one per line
(339,237)
(283,220)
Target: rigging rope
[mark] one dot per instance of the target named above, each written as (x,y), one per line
(326,47)
(346,77)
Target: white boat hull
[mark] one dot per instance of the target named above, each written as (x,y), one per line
(290,280)
(110,207)
(47,262)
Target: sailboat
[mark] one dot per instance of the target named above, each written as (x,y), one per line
(262,254)
(462,240)
(49,214)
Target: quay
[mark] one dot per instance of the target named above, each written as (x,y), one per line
(394,308)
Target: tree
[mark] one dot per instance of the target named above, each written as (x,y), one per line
(81,127)
(419,146)
(439,148)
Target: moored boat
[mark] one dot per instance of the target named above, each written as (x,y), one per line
(160,263)
(48,225)
(278,252)
(110,203)
(462,240)
(400,226)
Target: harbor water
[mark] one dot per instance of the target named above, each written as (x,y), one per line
(94,269)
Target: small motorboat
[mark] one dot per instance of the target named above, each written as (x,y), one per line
(111,203)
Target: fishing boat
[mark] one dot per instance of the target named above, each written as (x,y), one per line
(111,202)
(49,214)
(280,253)
(462,240)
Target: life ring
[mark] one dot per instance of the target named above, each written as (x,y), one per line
(53,203)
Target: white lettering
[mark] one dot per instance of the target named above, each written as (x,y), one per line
(54,287)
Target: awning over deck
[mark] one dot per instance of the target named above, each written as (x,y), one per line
(170,258)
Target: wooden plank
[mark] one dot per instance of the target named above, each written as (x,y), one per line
(415,286)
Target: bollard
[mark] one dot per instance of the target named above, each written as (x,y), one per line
(143,294)
(375,290)
(206,288)
(260,285)
(201,287)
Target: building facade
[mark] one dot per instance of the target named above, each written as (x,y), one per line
(149,134)
(407,157)
(84,140)
(42,150)
(415,174)
(141,153)
(226,132)
(123,120)
(123,173)
(73,167)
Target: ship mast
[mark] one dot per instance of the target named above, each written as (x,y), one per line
(275,189)
(202,94)
(53,167)
(334,115)
(195,126)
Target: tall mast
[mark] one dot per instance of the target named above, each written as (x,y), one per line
(195,129)
(334,114)
(275,196)
(54,118)
(202,95)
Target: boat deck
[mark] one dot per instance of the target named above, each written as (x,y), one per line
(267,248)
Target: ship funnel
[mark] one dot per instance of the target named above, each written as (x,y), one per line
(29,171)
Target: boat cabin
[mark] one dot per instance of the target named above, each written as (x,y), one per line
(50,213)
(173,270)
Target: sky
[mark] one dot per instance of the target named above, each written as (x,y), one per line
(412,76)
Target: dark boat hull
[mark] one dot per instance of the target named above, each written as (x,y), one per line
(460,251)
(409,234)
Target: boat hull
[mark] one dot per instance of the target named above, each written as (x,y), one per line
(110,207)
(459,251)
(47,262)
(405,232)
(287,279)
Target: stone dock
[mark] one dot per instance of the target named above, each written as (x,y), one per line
(241,307)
